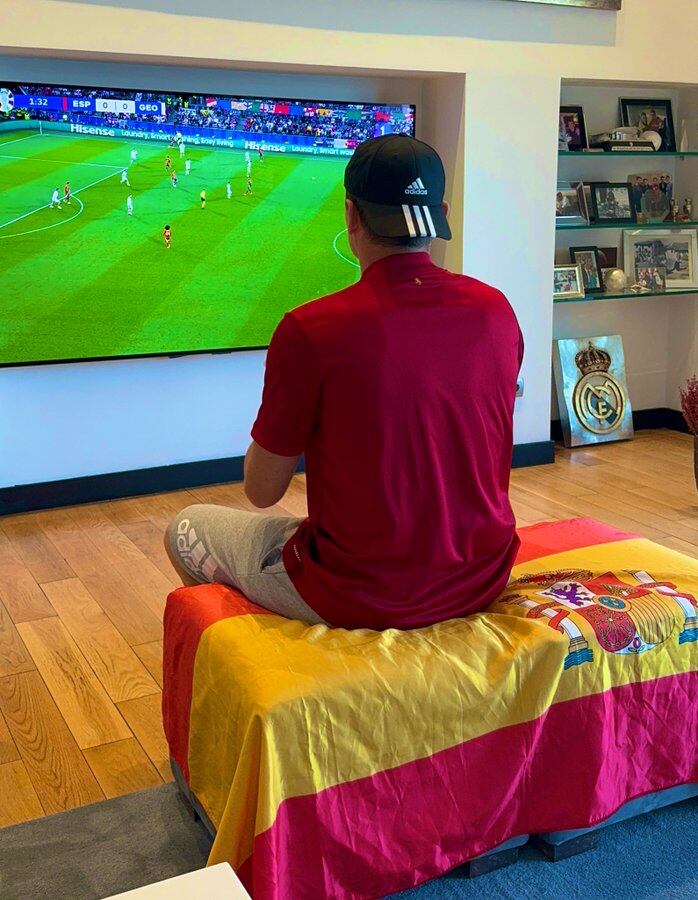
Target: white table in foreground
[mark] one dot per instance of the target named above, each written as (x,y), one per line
(217,883)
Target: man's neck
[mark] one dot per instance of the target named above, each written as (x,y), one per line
(375,252)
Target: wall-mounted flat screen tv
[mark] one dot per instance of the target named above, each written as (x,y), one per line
(138,223)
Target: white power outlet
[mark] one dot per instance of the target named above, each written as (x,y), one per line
(519,386)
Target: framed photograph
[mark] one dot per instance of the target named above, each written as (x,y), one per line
(674,252)
(608,257)
(652,278)
(570,204)
(567,282)
(586,190)
(611,202)
(651,115)
(587,258)
(573,132)
(651,194)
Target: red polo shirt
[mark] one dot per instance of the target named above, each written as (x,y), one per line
(400,392)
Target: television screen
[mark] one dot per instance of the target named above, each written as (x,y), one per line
(144,222)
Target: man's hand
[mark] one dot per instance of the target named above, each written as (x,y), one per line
(267,475)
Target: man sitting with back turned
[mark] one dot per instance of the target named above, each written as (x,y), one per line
(400,392)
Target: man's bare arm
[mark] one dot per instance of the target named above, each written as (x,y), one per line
(267,475)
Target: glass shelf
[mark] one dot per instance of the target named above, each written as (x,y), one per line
(630,226)
(604,153)
(681,292)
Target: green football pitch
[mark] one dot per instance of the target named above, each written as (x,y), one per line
(89,280)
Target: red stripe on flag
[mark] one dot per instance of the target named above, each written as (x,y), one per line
(572,768)
(547,538)
(189,612)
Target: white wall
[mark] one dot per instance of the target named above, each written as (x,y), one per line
(86,418)
(513,54)
(510,217)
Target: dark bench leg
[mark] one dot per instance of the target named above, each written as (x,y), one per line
(484,864)
(573,847)
(189,806)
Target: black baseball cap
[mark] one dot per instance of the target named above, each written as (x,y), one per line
(399,184)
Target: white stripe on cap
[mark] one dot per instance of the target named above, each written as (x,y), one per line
(430,221)
(408,220)
(420,183)
(420,221)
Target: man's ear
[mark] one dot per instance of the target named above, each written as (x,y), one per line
(351,215)
(446,208)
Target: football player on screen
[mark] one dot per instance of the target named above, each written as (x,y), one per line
(202,197)
(66,192)
(167,235)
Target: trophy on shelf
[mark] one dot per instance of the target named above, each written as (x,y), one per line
(626,137)
(688,209)
(615,281)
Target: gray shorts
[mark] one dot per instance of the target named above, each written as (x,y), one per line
(242,549)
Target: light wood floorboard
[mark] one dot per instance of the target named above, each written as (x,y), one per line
(120,671)
(122,767)
(84,704)
(19,800)
(82,591)
(57,769)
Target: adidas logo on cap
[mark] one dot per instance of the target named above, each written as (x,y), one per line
(417,187)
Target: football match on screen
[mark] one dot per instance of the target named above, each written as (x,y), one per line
(139,222)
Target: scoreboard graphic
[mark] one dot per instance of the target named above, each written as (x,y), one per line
(67,103)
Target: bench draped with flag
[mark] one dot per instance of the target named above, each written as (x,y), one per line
(354,764)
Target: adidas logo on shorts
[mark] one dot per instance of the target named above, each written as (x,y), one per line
(417,187)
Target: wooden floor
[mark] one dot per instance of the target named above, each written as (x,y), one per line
(82,591)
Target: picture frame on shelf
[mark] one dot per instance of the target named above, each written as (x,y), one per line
(567,282)
(675,251)
(572,132)
(652,278)
(586,190)
(651,194)
(611,202)
(651,115)
(587,258)
(570,204)
(608,257)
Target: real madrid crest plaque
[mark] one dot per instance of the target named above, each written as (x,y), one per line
(591,390)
